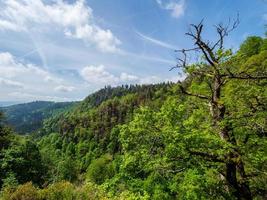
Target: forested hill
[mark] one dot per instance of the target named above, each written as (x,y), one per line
(28,117)
(203,138)
(106,108)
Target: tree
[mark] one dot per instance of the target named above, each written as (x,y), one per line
(101,169)
(23,161)
(4,133)
(209,77)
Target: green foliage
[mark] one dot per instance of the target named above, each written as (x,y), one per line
(251,46)
(22,162)
(61,190)
(10,181)
(68,170)
(101,169)
(22,192)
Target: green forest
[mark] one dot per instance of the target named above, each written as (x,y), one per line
(202,138)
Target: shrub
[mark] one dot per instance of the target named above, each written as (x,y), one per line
(101,169)
(62,190)
(23,192)
(91,191)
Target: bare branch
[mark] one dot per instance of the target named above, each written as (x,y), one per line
(182,62)
(203,46)
(224,31)
(185,50)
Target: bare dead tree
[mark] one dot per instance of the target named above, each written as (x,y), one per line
(218,75)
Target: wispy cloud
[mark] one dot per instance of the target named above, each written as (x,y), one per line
(156,41)
(177,8)
(148,57)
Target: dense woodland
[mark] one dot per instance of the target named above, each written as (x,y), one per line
(203,138)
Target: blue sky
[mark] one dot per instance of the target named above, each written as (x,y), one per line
(64,50)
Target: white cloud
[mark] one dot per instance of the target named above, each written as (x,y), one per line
(177,8)
(98,75)
(24,95)
(64,88)
(6,25)
(128,77)
(6,59)
(11,68)
(75,20)
(150,80)
(10,84)
(25,81)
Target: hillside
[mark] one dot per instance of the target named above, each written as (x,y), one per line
(116,105)
(28,117)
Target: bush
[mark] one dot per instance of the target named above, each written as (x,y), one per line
(10,181)
(23,192)
(61,190)
(101,169)
(91,191)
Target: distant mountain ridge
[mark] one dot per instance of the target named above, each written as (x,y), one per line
(9,103)
(28,117)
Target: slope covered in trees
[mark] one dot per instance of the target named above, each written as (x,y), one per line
(203,138)
(29,117)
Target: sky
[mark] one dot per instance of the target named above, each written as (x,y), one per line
(63,50)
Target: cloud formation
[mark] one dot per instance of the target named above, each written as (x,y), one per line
(22,81)
(26,79)
(177,8)
(64,88)
(99,76)
(74,20)
(10,84)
